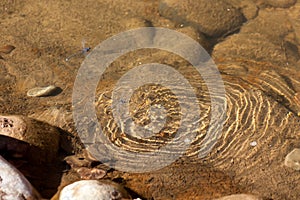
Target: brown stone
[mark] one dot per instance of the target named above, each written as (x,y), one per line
(213,18)
(42,136)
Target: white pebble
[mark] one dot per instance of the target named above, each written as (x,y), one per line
(42,91)
(13,185)
(253,143)
(92,189)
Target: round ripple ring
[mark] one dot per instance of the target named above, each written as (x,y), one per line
(98,61)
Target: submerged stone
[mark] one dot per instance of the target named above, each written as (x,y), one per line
(292,160)
(213,18)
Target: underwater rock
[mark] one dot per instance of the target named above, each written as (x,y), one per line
(292,160)
(213,18)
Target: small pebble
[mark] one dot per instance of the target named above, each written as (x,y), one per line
(292,160)
(14,186)
(253,143)
(7,49)
(42,91)
(93,189)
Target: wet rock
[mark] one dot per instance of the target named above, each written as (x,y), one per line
(253,46)
(61,116)
(280,3)
(57,116)
(247,7)
(194,34)
(293,14)
(133,23)
(262,39)
(292,160)
(240,197)
(42,136)
(7,49)
(13,148)
(213,18)
(275,24)
(43,91)
(86,166)
(92,189)
(83,159)
(13,185)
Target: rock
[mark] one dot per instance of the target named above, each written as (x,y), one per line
(275,24)
(292,160)
(39,135)
(16,149)
(213,18)
(253,46)
(240,197)
(293,15)
(84,164)
(188,30)
(61,116)
(7,49)
(14,186)
(92,189)
(280,3)
(134,23)
(58,116)
(43,91)
(194,34)
(264,39)
(247,7)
